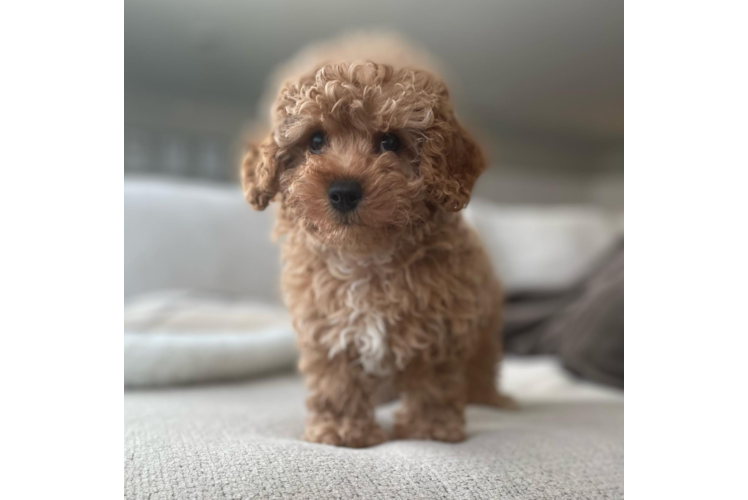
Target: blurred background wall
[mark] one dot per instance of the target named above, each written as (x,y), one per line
(540,82)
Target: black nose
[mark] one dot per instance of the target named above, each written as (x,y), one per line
(344,195)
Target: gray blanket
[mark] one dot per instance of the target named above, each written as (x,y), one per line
(583,326)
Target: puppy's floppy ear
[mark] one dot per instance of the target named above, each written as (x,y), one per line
(259,172)
(451,162)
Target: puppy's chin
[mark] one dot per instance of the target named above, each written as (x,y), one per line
(349,234)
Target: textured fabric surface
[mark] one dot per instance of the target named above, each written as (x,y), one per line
(242,441)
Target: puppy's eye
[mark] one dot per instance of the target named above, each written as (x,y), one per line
(317,142)
(389,142)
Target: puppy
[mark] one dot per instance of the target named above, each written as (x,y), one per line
(383,279)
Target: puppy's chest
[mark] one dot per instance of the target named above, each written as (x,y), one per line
(366,315)
(383,314)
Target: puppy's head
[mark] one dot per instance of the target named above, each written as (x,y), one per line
(359,152)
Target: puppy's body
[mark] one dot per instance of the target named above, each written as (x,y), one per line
(393,287)
(425,314)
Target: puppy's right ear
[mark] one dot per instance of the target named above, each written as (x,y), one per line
(260,172)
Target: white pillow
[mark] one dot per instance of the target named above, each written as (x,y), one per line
(543,249)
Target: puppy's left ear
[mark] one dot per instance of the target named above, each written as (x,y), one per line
(451,161)
(259,172)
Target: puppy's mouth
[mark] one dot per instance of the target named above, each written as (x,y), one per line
(349,219)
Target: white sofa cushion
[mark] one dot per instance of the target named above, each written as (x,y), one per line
(197,236)
(543,248)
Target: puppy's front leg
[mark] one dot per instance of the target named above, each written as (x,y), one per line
(433,397)
(341,411)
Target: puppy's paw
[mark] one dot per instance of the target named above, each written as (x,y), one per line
(344,432)
(497,401)
(492,398)
(449,430)
(504,402)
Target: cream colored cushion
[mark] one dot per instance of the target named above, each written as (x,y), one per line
(180,337)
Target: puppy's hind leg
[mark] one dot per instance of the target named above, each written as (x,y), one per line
(481,375)
(433,402)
